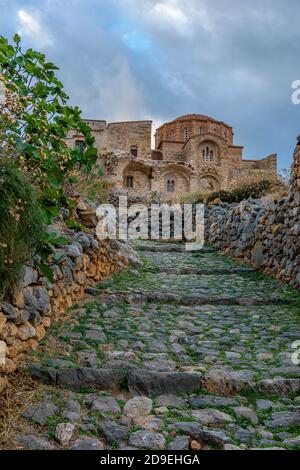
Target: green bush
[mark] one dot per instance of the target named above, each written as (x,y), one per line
(254,190)
(21,227)
(194,198)
(35,121)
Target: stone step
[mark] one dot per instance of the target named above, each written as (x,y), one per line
(205,272)
(137,381)
(221,382)
(172,249)
(139,297)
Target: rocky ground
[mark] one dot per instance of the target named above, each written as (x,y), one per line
(193,350)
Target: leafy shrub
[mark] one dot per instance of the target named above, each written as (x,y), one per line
(35,120)
(254,190)
(21,226)
(91,185)
(194,198)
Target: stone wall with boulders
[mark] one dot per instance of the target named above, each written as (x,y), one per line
(264,232)
(37,303)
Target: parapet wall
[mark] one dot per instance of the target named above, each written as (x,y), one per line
(262,232)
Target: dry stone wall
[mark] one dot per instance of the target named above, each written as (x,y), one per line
(263,232)
(38,303)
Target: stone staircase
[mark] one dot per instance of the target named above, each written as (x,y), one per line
(193,351)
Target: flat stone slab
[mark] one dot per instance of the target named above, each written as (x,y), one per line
(160,383)
(76,378)
(40,413)
(166,248)
(279,386)
(206,272)
(138,381)
(32,442)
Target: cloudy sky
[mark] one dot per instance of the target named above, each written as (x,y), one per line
(158,59)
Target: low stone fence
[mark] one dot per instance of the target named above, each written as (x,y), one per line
(38,303)
(263,232)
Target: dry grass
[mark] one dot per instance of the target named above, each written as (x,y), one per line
(22,391)
(18,395)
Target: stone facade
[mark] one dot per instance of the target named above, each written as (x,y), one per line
(192,153)
(263,232)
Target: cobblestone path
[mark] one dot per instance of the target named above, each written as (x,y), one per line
(193,350)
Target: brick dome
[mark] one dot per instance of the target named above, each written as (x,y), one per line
(189,117)
(182,128)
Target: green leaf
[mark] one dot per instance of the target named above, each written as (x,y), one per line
(46,271)
(57,257)
(54,239)
(17,39)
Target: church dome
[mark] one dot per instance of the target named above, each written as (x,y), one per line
(190,117)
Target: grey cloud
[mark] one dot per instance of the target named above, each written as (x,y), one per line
(233,60)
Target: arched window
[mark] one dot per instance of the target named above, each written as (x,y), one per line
(185,134)
(208,154)
(134,151)
(80,144)
(170,186)
(129,181)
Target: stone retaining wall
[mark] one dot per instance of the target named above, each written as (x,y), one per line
(38,303)
(263,232)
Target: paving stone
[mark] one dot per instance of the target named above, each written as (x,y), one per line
(64,433)
(263,404)
(71,416)
(246,412)
(105,405)
(32,442)
(138,406)
(231,447)
(87,444)
(170,401)
(160,366)
(227,382)
(151,423)
(73,405)
(179,443)
(285,419)
(40,413)
(293,442)
(244,435)
(211,417)
(95,335)
(113,432)
(159,383)
(204,401)
(147,440)
(279,386)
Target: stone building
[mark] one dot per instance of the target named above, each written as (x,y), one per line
(192,153)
